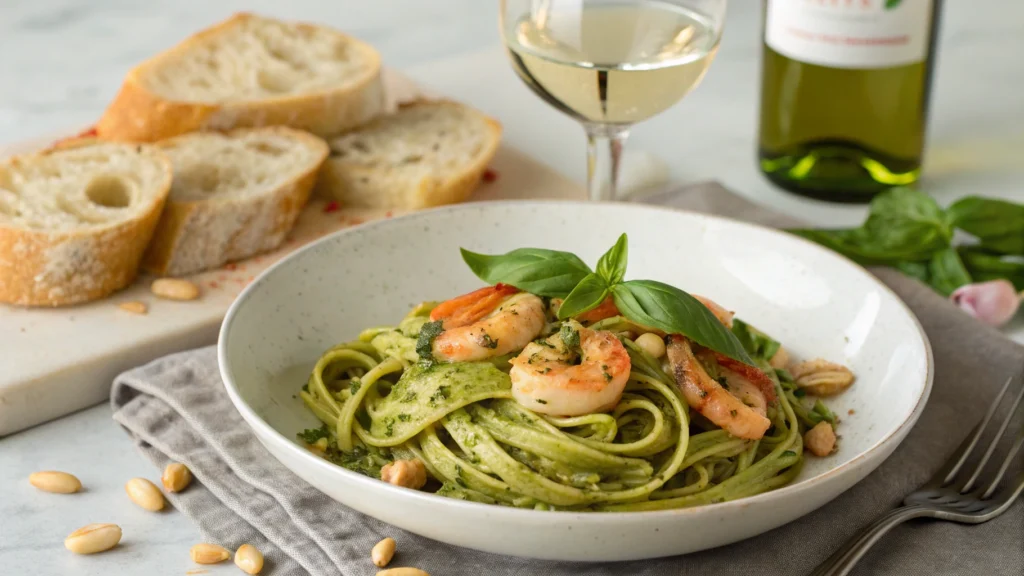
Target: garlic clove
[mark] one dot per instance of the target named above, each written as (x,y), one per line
(993,302)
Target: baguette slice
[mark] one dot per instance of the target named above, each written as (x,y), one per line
(426,154)
(233,195)
(249,71)
(75,220)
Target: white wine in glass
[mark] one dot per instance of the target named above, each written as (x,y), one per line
(610,64)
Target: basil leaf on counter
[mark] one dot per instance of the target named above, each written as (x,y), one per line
(947,272)
(671,310)
(587,295)
(917,270)
(543,272)
(984,266)
(612,265)
(998,224)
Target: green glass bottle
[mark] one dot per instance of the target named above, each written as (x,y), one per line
(844,94)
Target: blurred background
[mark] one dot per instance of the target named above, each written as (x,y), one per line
(62,61)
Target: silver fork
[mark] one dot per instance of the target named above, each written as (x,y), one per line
(949,495)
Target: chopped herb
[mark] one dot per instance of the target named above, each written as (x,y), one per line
(799,393)
(410,396)
(544,343)
(723,382)
(390,426)
(354,386)
(702,393)
(403,417)
(539,401)
(546,370)
(425,341)
(488,342)
(570,337)
(607,376)
(442,393)
(305,387)
(732,412)
(311,435)
(789,453)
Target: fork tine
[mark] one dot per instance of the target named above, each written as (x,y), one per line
(1006,464)
(957,460)
(992,445)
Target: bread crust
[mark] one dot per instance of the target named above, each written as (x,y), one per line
(42,268)
(188,238)
(337,175)
(139,115)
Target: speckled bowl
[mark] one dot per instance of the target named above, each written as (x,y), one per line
(815,302)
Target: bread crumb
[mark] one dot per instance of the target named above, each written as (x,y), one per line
(134,307)
(850,412)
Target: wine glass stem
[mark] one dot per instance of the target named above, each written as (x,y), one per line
(604,151)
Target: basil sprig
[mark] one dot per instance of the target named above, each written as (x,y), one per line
(645,302)
(908,230)
(537,271)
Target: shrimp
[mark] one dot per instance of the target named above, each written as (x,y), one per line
(545,379)
(709,397)
(488,322)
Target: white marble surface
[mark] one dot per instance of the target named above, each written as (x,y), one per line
(61,60)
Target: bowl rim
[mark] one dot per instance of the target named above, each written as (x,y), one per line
(264,430)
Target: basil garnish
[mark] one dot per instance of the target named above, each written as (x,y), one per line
(654,304)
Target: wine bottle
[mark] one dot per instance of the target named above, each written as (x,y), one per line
(844,94)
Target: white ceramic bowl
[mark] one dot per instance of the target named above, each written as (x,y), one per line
(815,302)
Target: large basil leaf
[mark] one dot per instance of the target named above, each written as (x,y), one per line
(535,270)
(946,272)
(587,295)
(984,266)
(612,265)
(904,225)
(756,343)
(998,224)
(673,311)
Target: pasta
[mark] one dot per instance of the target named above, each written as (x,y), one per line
(384,398)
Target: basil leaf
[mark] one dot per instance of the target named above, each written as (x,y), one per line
(673,311)
(998,224)
(612,265)
(917,270)
(904,225)
(425,340)
(542,272)
(756,343)
(984,266)
(587,295)
(946,272)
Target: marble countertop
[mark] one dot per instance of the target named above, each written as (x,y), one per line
(62,60)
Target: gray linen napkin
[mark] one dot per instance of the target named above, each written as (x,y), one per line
(176,409)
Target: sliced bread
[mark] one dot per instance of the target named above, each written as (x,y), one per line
(428,153)
(75,220)
(249,71)
(233,195)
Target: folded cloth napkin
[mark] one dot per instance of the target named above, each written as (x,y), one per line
(176,409)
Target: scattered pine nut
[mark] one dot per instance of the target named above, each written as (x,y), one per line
(135,307)
(56,482)
(176,477)
(209,554)
(174,289)
(249,559)
(145,494)
(93,538)
(383,552)
(402,572)
(652,344)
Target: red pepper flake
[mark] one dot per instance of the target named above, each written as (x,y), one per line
(213,284)
(389,214)
(332,206)
(490,175)
(231,266)
(222,277)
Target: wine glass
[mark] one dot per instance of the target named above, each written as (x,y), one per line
(611,63)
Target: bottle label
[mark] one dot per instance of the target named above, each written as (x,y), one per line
(849,33)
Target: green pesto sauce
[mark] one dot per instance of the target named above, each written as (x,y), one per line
(425,394)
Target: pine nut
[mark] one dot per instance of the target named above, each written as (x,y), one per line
(402,572)
(407,473)
(209,554)
(652,344)
(174,289)
(249,559)
(176,477)
(93,538)
(54,481)
(383,552)
(134,307)
(145,494)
